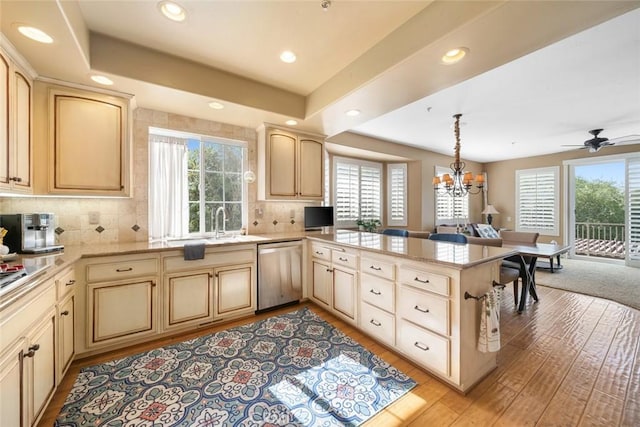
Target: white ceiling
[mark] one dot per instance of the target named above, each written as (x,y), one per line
(533,81)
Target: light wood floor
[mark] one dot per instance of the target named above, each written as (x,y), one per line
(569,360)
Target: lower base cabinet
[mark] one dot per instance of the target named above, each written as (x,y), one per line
(66,337)
(121,310)
(234,290)
(188,298)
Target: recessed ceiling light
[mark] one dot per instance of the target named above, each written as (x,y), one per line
(288,57)
(172,10)
(216,105)
(35,34)
(454,55)
(353,113)
(291,122)
(103,80)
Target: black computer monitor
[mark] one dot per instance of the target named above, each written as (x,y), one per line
(318,216)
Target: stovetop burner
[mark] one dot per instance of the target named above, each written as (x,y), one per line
(8,275)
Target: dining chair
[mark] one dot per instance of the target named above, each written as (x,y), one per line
(448,237)
(508,274)
(395,232)
(517,261)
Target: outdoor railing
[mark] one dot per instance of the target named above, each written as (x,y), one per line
(600,239)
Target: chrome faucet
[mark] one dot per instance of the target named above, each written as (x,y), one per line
(224,219)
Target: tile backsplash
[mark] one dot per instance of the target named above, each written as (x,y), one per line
(122,220)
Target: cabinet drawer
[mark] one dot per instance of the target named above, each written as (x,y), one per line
(424,280)
(66,282)
(424,309)
(377,292)
(424,347)
(377,323)
(344,258)
(319,251)
(378,267)
(121,270)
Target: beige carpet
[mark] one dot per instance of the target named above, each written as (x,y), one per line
(615,282)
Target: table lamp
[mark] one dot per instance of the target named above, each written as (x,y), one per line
(488,211)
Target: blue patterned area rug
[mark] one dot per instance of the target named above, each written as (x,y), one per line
(289,370)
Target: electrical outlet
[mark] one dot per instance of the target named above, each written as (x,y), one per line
(94,217)
(292,213)
(508,219)
(259,212)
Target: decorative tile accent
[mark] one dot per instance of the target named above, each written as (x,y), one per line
(59,230)
(293,221)
(255,223)
(275,222)
(136,227)
(99,229)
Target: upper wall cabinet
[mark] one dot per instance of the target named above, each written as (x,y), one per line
(88,141)
(15,127)
(290,165)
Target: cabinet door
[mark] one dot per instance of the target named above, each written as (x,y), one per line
(66,348)
(234,290)
(282,165)
(4,120)
(41,364)
(322,280)
(88,144)
(344,292)
(22,132)
(121,310)
(188,298)
(311,167)
(12,398)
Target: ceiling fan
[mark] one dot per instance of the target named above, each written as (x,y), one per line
(597,142)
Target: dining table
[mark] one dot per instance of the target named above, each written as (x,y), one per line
(528,257)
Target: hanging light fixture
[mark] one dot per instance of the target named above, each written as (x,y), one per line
(458,183)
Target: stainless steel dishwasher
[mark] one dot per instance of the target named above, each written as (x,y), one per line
(279,274)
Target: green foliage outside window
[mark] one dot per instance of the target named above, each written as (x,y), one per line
(221,184)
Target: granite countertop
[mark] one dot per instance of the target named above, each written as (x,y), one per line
(454,255)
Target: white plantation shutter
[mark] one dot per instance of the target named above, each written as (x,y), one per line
(397,194)
(357,191)
(633,211)
(537,200)
(450,210)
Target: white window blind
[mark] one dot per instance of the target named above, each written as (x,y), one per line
(397,194)
(633,209)
(537,200)
(357,194)
(450,210)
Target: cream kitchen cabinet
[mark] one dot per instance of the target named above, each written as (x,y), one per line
(15,127)
(87,136)
(27,356)
(377,297)
(188,298)
(290,165)
(235,293)
(121,300)
(65,329)
(222,285)
(335,280)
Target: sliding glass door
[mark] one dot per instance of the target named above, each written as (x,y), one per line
(603,199)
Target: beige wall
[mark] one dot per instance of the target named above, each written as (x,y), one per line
(119,215)
(502,177)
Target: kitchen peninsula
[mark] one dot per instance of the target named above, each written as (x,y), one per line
(406,293)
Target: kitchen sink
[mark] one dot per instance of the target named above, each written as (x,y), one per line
(231,238)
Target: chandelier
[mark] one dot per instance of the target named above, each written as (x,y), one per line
(458,183)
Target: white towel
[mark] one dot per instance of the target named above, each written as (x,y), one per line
(489,338)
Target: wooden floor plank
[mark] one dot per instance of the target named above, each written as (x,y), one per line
(567,360)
